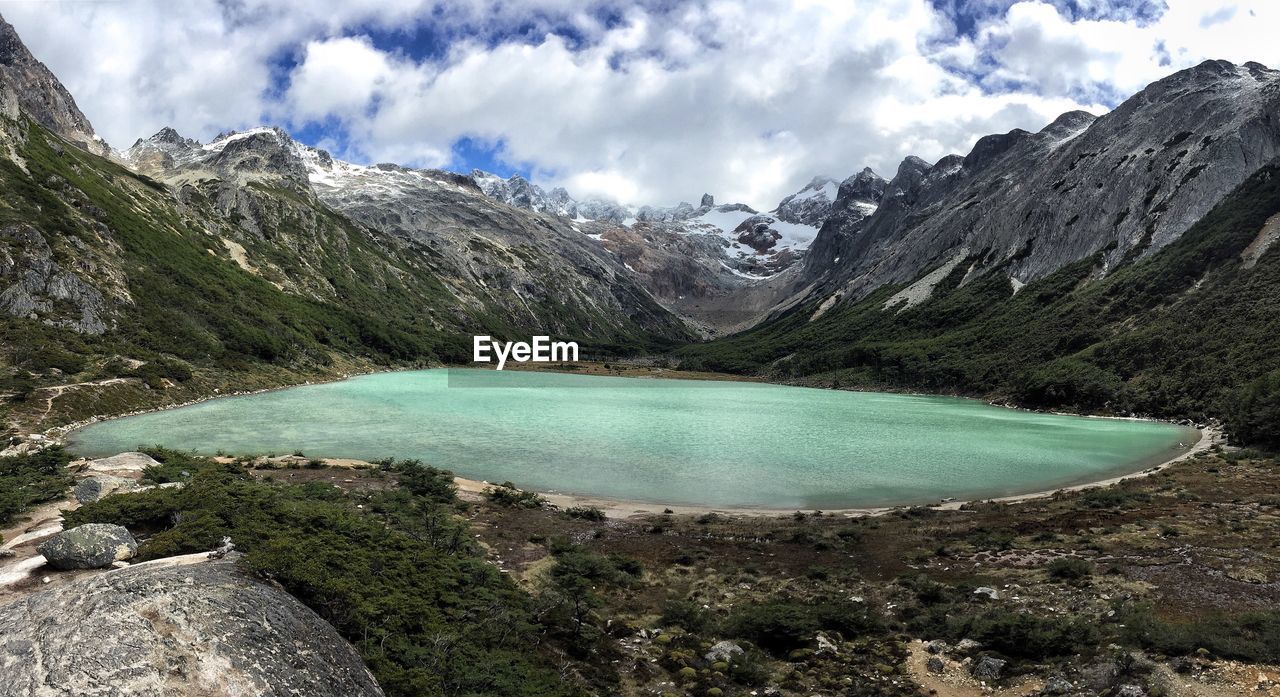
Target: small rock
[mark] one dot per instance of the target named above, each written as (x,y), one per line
(967,645)
(935,665)
(1130,691)
(724,651)
(987,668)
(221,551)
(936,646)
(7,553)
(825,645)
(1056,685)
(89,546)
(988,591)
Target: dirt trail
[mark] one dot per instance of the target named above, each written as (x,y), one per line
(56,391)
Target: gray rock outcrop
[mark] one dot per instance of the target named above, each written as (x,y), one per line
(174,630)
(988,668)
(724,651)
(92,489)
(89,546)
(124,462)
(34,285)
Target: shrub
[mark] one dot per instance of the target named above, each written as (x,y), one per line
(780,627)
(509,496)
(1069,569)
(424,480)
(686,614)
(1024,636)
(590,513)
(31,479)
(1253,416)
(1253,637)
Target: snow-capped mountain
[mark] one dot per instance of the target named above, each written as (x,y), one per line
(753,243)
(809,205)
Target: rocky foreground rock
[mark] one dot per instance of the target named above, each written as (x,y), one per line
(89,546)
(165,628)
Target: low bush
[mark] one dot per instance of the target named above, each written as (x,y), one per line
(1069,569)
(781,627)
(1253,637)
(506,494)
(590,513)
(32,479)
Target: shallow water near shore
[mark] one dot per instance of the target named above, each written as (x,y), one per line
(709,443)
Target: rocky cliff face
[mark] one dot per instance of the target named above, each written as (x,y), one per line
(175,629)
(1025,204)
(28,87)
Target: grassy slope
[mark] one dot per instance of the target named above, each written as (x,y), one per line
(1170,335)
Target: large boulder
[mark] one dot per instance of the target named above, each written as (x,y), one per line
(91,489)
(725,651)
(124,462)
(89,546)
(174,628)
(988,668)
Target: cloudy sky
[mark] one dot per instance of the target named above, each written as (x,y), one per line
(644,101)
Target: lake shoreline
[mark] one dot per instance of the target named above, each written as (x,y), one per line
(625,508)
(622,507)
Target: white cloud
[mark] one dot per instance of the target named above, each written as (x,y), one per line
(337,77)
(745,99)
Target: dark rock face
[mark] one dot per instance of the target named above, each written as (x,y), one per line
(28,87)
(1125,184)
(91,489)
(89,546)
(33,285)
(756,233)
(201,628)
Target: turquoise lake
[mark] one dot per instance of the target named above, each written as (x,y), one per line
(665,441)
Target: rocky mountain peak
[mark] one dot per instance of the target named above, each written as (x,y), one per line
(990,148)
(809,206)
(708,201)
(28,88)
(861,192)
(1068,124)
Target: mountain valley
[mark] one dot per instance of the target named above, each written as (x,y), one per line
(1121,266)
